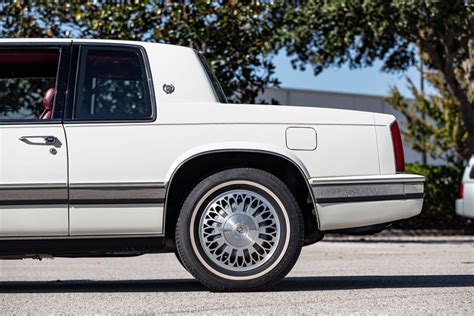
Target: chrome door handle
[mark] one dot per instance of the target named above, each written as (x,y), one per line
(46,140)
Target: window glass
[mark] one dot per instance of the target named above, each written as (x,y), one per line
(471,175)
(112,86)
(218,91)
(27,84)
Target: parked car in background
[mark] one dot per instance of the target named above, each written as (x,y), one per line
(465,203)
(112,148)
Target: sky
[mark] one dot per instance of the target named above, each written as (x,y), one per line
(362,81)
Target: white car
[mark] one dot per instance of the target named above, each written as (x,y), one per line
(133,150)
(465,203)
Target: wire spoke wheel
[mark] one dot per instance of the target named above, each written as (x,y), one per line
(239,230)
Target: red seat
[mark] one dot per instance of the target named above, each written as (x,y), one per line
(48,101)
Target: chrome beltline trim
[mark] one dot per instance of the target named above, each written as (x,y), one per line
(118,185)
(25,186)
(4,238)
(379,179)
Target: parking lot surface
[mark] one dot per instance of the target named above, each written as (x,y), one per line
(376,276)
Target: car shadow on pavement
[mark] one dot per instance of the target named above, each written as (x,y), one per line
(317,283)
(322,283)
(401,241)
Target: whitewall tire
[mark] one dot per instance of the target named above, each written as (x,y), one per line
(239,229)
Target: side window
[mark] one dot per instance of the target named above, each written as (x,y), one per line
(112,85)
(471,175)
(28,84)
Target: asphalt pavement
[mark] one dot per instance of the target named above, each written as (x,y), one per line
(416,275)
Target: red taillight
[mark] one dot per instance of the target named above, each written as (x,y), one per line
(397,148)
(461,191)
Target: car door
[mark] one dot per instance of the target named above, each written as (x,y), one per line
(109,129)
(33,161)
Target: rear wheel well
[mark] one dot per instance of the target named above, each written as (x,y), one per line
(196,169)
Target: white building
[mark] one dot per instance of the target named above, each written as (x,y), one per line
(360,102)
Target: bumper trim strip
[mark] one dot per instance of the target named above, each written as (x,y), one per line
(369,198)
(367,192)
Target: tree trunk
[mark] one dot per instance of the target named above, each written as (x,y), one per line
(471,145)
(467,116)
(468,66)
(464,93)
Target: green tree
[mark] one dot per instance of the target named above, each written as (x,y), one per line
(434,123)
(235,36)
(359,32)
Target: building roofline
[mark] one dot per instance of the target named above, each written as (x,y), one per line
(338,93)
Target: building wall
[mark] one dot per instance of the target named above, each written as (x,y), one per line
(359,102)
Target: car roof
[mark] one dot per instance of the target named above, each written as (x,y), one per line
(80,40)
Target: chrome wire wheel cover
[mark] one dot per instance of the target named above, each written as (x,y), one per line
(239,230)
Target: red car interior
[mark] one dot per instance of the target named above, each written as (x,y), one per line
(48,101)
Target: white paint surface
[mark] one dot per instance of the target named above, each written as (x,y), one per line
(359,214)
(116,219)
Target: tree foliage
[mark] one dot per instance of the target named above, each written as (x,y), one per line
(441,190)
(22,98)
(359,32)
(433,123)
(235,36)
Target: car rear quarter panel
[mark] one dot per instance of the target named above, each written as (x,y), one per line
(329,158)
(342,149)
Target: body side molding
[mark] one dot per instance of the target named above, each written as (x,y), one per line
(87,193)
(117,193)
(33,194)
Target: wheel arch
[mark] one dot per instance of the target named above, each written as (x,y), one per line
(235,147)
(212,160)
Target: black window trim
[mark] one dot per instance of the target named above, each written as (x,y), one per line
(73,83)
(60,84)
(219,93)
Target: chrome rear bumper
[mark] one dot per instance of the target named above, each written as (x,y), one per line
(347,202)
